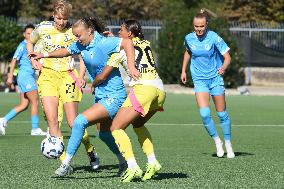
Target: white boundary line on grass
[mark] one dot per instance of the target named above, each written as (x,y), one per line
(186,124)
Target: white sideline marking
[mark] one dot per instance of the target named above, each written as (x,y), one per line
(182,124)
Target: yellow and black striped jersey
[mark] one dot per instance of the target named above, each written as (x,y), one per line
(144,62)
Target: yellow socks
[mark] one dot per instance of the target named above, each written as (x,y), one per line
(145,140)
(123,143)
(86,141)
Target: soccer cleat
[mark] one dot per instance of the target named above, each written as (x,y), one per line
(229,149)
(94,160)
(151,170)
(64,170)
(3,125)
(131,173)
(121,168)
(219,149)
(38,132)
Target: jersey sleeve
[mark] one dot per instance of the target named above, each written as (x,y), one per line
(19,52)
(112,45)
(221,45)
(116,59)
(185,43)
(75,48)
(35,35)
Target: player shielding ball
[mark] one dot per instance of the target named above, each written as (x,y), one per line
(146,97)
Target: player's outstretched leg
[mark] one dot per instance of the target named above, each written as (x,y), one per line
(79,126)
(226,129)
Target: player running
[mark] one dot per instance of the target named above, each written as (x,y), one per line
(27,85)
(209,60)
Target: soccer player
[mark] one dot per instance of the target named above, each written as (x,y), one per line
(95,50)
(210,59)
(58,81)
(146,97)
(27,85)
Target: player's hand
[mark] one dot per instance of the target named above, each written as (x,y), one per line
(36,64)
(135,74)
(221,71)
(183,78)
(36,56)
(9,80)
(108,34)
(82,82)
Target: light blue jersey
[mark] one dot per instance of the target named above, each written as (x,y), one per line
(26,77)
(95,56)
(206,54)
(21,55)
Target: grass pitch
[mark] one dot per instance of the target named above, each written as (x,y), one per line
(182,146)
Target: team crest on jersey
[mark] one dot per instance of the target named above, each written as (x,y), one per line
(207,47)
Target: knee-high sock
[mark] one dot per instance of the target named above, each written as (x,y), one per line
(10,115)
(208,122)
(123,143)
(145,140)
(62,157)
(35,121)
(87,143)
(225,124)
(108,139)
(79,126)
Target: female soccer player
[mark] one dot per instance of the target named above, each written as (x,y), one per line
(27,85)
(58,81)
(209,60)
(145,98)
(95,50)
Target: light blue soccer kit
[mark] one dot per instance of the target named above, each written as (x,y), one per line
(206,58)
(26,79)
(110,93)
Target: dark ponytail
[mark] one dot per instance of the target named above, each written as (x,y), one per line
(95,23)
(134,27)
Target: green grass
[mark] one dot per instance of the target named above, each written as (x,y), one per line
(181,145)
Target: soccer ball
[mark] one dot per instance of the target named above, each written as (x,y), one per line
(52,147)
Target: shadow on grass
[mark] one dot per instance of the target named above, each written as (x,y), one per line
(161,176)
(84,169)
(236,154)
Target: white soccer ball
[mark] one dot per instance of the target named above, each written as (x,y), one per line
(52,147)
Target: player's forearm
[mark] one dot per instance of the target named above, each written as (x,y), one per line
(82,70)
(102,76)
(12,67)
(227,61)
(59,53)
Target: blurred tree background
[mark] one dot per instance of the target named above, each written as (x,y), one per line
(175,15)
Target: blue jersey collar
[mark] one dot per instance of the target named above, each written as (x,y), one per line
(96,39)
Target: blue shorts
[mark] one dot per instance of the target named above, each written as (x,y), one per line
(26,82)
(214,86)
(111,104)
